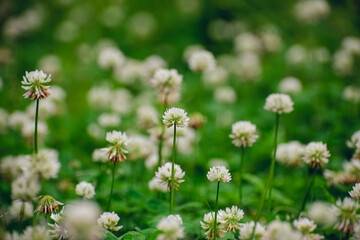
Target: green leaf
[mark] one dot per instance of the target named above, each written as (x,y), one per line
(109,236)
(188,205)
(328,195)
(254,180)
(132,235)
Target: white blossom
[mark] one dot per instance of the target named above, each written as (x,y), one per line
(321,213)
(202,61)
(116,152)
(85,190)
(176,116)
(164,175)
(208,224)
(355,192)
(290,154)
(156,184)
(172,228)
(230,218)
(290,85)
(225,94)
(166,80)
(316,154)
(279,103)
(109,220)
(111,58)
(219,174)
(34,82)
(247,229)
(243,134)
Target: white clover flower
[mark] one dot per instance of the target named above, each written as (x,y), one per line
(58,231)
(352,168)
(247,42)
(230,218)
(278,230)
(208,224)
(152,161)
(18,119)
(316,154)
(109,120)
(321,213)
(279,103)
(176,116)
(346,212)
(116,152)
(85,190)
(271,40)
(12,236)
(34,82)
(50,64)
(26,187)
(140,147)
(351,44)
(218,162)
(156,184)
(247,229)
(185,139)
(202,61)
(290,85)
(16,208)
(111,58)
(46,163)
(304,225)
(311,11)
(355,139)
(247,66)
(150,65)
(357,231)
(37,232)
(355,192)
(164,175)
(12,167)
(99,155)
(27,129)
(147,117)
(172,228)
(296,55)
(215,77)
(99,97)
(351,94)
(343,63)
(219,174)
(80,220)
(290,154)
(243,134)
(225,94)
(109,220)
(166,80)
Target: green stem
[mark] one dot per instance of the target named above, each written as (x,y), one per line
(22,212)
(241,173)
(161,140)
(216,210)
(272,168)
(36,127)
(269,181)
(112,187)
(173,173)
(309,185)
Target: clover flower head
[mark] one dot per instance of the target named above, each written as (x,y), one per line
(243,134)
(316,154)
(172,228)
(164,175)
(290,154)
(47,205)
(109,220)
(34,82)
(176,116)
(219,174)
(166,80)
(346,212)
(202,61)
(355,192)
(355,139)
(116,152)
(304,225)
(230,218)
(279,103)
(247,229)
(208,224)
(85,190)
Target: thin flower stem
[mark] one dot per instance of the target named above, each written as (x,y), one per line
(241,173)
(216,209)
(172,192)
(269,181)
(22,213)
(36,127)
(272,168)
(309,185)
(112,187)
(161,140)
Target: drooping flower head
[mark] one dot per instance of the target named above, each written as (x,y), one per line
(34,82)
(355,193)
(230,218)
(243,133)
(346,212)
(316,154)
(47,205)
(279,103)
(176,116)
(116,152)
(202,61)
(208,224)
(85,190)
(171,227)
(166,80)
(164,175)
(219,174)
(109,220)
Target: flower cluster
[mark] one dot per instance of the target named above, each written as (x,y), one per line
(85,190)
(166,80)
(175,116)
(116,152)
(171,227)
(164,175)
(290,154)
(355,192)
(202,61)
(208,224)
(219,174)
(243,133)
(346,212)
(34,82)
(230,218)
(279,103)
(47,205)
(109,220)
(316,154)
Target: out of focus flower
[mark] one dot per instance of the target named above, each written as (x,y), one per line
(247,229)
(50,64)
(109,220)
(321,213)
(202,61)
(196,120)
(80,219)
(247,42)
(166,80)
(277,230)
(218,162)
(215,77)
(355,192)
(47,205)
(290,85)
(37,232)
(26,187)
(243,134)
(311,11)
(208,224)
(109,120)
(99,155)
(351,94)
(164,175)
(307,227)
(351,45)
(116,152)
(219,174)
(343,63)
(85,190)
(171,227)
(296,55)
(156,184)
(151,64)
(111,58)
(316,154)
(99,97)
(355,139)
(247,66)
(279,103)
(147,117)
(225,94)
(271,39)
(19,207)
(230,218)
(46,163)
(175,116)
(290,154)
(346,211)
(12,167)
(124,97)
(142,25)
(34,82)
(140,147)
